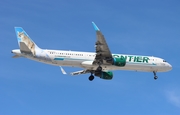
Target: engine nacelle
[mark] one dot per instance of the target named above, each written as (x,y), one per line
(105,75)
(121,61)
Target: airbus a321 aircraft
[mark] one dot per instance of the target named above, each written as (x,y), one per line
(99,64)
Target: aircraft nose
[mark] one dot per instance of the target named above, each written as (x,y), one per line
(169,66)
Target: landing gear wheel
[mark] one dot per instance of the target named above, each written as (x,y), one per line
(155,77)
(91,78)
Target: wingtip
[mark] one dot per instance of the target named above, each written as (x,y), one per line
(17,27)
(95,27)
(62,70)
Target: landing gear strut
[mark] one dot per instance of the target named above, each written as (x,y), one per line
(155,76)
(99,68)
(91,77)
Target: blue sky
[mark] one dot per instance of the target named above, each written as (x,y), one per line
(130,27)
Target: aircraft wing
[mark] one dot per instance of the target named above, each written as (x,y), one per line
(77,72)
(81,72)
(103,53)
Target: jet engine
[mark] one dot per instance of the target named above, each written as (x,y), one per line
(119,62)
(104,75)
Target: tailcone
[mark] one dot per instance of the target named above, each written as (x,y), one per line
(16,51)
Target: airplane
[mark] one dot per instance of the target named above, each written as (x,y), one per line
(100,63)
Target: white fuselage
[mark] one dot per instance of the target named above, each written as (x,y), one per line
(85,60)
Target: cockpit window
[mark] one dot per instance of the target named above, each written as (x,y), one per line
(164,61)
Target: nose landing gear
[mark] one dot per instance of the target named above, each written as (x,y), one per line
(155,76)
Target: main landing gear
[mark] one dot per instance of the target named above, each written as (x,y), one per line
(99,67)
(91,77)
(155,76)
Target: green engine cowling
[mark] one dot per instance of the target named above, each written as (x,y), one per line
(119,61)
(105,75)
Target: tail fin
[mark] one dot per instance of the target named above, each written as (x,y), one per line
(25,43)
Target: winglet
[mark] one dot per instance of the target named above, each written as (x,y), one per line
(62,70)
(95,27)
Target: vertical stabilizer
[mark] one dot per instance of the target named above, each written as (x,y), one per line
(25,43)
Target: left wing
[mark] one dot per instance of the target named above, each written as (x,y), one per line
(81,72)
(77,72)
(103,53)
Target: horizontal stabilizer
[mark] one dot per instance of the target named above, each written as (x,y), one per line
(16,56)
